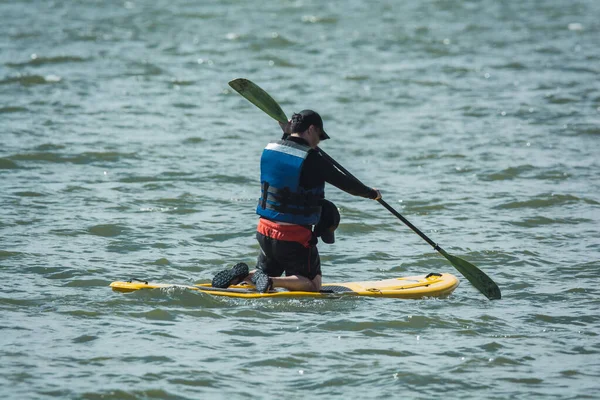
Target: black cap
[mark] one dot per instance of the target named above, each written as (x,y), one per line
(304,119)
(328,222)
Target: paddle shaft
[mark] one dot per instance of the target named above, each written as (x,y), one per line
(382,202)
(478,278)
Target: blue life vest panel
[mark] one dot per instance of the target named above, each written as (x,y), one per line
(282,198)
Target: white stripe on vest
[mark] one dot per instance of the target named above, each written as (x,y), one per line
(287,150)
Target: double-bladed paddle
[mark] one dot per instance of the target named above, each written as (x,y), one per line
(265,102)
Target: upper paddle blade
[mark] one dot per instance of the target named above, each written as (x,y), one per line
(261,99)
(477,277)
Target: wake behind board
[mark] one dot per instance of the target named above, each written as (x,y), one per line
(410,287)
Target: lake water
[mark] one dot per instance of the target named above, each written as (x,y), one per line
(124,154)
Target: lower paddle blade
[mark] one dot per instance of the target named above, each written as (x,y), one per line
(477,277)
(261,99)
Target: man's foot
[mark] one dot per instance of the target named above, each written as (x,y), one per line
(262,281)
(229,277)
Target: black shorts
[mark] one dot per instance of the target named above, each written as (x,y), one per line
(278,256)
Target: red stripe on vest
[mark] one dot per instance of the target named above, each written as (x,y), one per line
(288,233)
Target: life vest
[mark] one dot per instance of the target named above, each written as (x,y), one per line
(282,198)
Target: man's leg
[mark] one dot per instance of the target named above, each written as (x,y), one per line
(298,283)
(292,283)
(302,267)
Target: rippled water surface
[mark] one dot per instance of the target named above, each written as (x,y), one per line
(124,154)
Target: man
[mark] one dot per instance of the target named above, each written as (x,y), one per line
(293,176)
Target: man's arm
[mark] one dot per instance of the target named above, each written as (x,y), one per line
(333,176)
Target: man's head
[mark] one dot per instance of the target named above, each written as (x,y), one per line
(309,125)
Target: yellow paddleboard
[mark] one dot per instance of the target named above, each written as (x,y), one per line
(410,287)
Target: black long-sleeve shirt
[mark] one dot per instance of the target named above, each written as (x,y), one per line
(317,170)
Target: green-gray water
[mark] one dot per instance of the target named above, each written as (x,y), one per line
(125,154)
